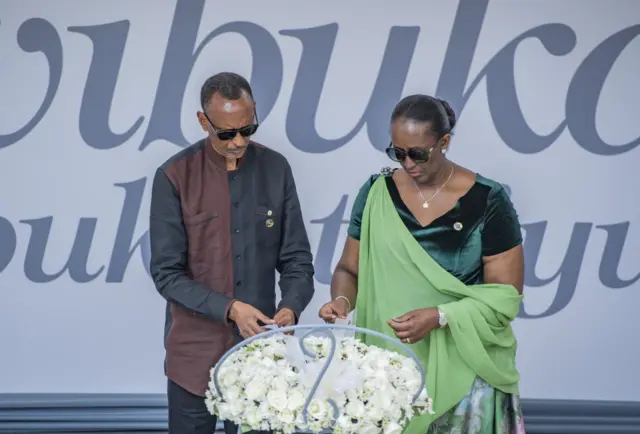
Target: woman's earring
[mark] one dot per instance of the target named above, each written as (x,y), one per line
(444,150)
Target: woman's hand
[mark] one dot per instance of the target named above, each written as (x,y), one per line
(337,308)
(415,325)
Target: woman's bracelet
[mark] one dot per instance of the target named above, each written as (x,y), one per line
(345,299)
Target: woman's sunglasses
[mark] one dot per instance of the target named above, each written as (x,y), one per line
(225,135)
(417,155)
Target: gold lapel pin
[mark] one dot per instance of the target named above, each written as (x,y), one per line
(269,212)
(269,223)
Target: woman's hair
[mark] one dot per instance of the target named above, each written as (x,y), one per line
(425,108)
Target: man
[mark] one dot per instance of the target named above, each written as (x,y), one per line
(225,216)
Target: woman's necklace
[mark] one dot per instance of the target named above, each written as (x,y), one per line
(425,204)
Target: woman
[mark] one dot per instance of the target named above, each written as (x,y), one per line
(434,258)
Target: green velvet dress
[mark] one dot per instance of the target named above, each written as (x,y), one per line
(482,223)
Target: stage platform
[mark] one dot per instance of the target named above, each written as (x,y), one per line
(137,414)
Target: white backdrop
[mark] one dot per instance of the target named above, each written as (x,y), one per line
(96,95)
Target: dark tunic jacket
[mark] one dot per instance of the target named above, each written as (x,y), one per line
(218,236)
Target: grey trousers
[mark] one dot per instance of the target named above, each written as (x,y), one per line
(189,415)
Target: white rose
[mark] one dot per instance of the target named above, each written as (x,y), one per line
(252,417)
(228,379)
(210,404)
(246,375)
(408,363)
(274,350)
(368,428)
(355,409)
(412,384)
(248,360)
(367,371)
(236,408)
(317,345)
(279,383)
(316,427)
(268,363)
(256,355)
(343,423)
(256,390)
(377,383)
(232,393)
(264,410)
(296,400)
(286,417)
(393,428)
(381,374)
(290,377)
(300,422)
(287,429)
(351,353)
(394,411)
(224,411)
(375,413)
(353,395)
(340,400)
(317,410)
(277,398)
(381,400)
(374,353)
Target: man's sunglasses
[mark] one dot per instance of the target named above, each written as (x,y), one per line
(225,135)
(417,155)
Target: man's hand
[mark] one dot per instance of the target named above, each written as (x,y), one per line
(285,318)
(247,317)
(415,325)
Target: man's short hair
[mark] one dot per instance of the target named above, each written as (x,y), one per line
(228,84)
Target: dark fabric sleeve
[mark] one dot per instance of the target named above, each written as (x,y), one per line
(295,261)
(355,222)
(501,231)
(169,255)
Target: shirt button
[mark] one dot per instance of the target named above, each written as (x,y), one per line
(237,205)
(233,178)
(236,230)
(239,283)
(237,256)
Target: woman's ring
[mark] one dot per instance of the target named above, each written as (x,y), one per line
(407,341)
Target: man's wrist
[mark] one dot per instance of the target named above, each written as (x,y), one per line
(232,310)
(293,312)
